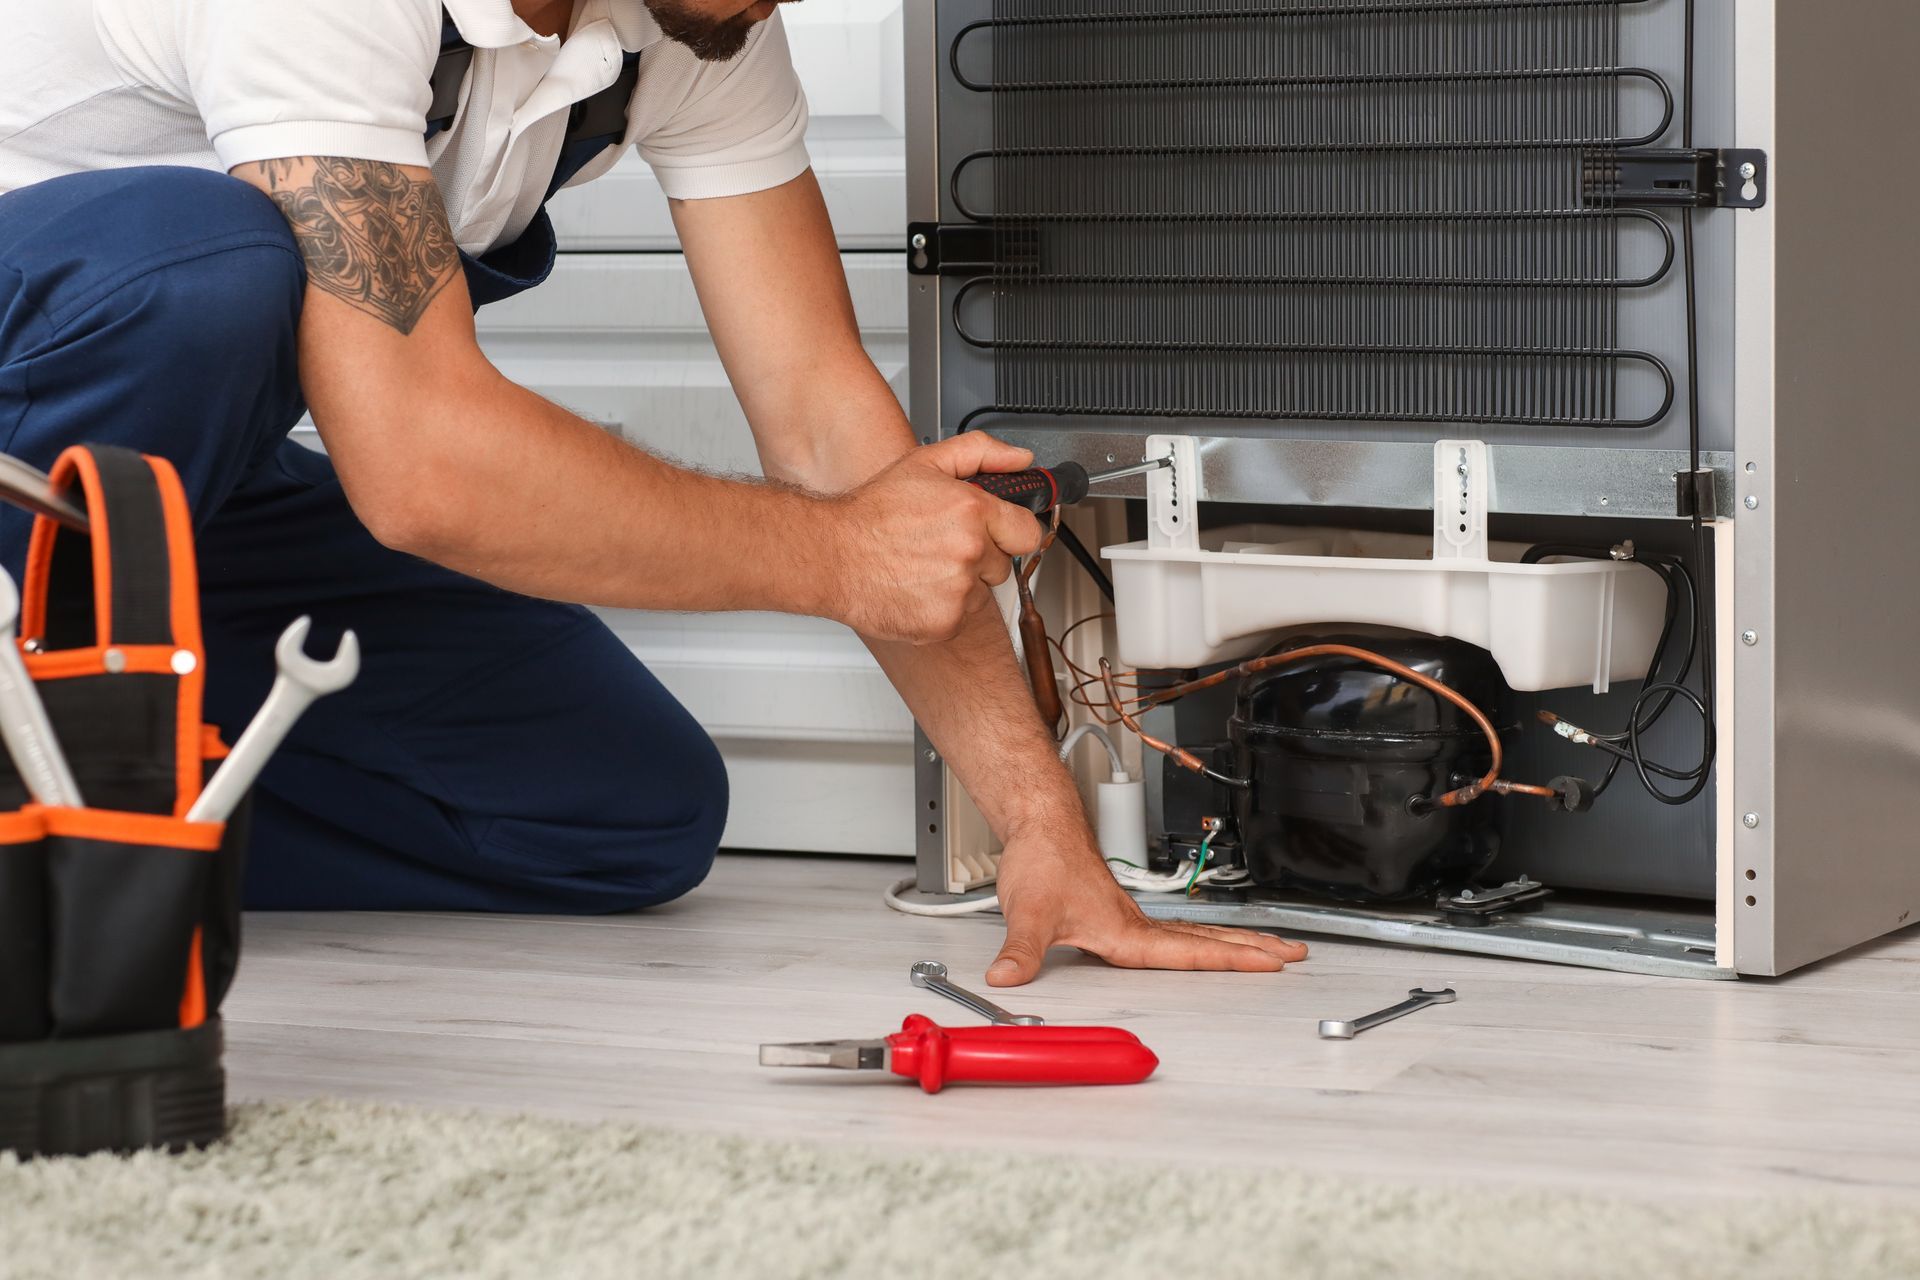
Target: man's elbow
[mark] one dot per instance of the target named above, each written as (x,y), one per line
(416,528)
(408,503)
(405,459)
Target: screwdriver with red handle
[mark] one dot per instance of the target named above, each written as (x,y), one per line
(1041,489)
(937,1056)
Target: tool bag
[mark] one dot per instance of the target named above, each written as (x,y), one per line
(119,921)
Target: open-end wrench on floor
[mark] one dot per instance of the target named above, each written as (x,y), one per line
(300,680)
(931,975)
(1418,1000)
(23,717)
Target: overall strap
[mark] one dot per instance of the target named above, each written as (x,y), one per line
(596,123)
(600,119)
(449,73)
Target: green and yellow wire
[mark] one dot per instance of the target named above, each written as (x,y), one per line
(1200,863)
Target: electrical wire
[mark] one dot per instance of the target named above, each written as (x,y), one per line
(1627,747)
(1200,862)
(1100,735)
(965,907)
(1084,679)
(1704,704)
(1183,879)
(1179,755)
(1139,880)
(1662,691)
(1078,550)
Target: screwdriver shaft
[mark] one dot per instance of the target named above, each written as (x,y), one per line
(1138,469)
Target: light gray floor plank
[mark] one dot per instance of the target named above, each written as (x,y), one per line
(1539,1074)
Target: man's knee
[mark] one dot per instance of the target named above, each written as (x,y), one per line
(230,281)
(157,308)
(652,839)
(670,861)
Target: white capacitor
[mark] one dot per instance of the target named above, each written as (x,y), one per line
(1122,821)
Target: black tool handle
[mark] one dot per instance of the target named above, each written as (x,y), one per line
(1039,489)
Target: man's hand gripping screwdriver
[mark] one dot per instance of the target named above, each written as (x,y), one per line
(1044,491)
(1041,489)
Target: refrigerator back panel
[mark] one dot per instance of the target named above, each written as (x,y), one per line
(1357,221)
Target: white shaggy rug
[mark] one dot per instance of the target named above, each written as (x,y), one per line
(358,1193)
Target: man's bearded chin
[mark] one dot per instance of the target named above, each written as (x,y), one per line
(710,39)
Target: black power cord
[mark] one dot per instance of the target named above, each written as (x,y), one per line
(1657,696)
(1078,550)
(1704,703)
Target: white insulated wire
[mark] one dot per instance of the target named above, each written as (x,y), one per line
(1140,880)
(1091,730)
(972,906)
(1136,879)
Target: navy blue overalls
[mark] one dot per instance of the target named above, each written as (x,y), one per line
(497,753)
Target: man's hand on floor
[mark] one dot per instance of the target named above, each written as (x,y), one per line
(1056,896)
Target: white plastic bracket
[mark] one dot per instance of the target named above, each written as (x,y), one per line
(1173,494)
(1462,486)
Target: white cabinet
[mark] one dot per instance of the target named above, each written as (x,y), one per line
(818,745)
(850,59)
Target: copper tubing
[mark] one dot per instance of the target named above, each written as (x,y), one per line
(1033,642)
(1033,638)
(1179,755)
(1451,800)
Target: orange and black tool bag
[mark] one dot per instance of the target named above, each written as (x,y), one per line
(119,920)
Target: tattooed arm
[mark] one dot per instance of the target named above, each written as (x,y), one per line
(444,458)
(373,235)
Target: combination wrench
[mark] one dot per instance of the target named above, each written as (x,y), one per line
(23,717)
(1418,1000)
(300,680)
(931,975)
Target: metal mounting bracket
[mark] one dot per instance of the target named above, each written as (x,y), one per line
(1697,493)
(1654,177)
(1462,486)
(969,248)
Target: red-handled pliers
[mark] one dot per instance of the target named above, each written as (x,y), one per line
(937,1056)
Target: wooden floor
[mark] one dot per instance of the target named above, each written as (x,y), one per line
(1540,1074)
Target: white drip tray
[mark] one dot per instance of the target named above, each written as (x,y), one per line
(1549,626)
(1189,599)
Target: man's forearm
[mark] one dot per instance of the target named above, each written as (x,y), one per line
(968,692)
(969,696)
(511,488)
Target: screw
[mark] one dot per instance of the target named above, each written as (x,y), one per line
(183,662)
(1752,820)
(1750,638)
(1111,458)
(1749,170)
(919,242)
(1753,503)
(114,661)
(1466,895)
(933,757)
(1606,502)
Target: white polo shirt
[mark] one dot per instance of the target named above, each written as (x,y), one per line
(101,84)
